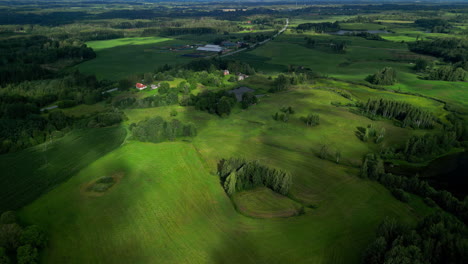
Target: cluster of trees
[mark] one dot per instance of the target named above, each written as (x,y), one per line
(166,96)
(19,244)
(370,133)
(385,76)
(449,73)
(21,58)
(311,119)
(239,175)
(105,119)
(434,25)
(421,148)
(220,102)
(453,50)
(283,115)
(256,37)
(437,239)
(156,129)
(326,153)
(21,122)
(319,27)
(248,99)
(406,113)
(373,168)
(283,82)
(337,46)
(366,35)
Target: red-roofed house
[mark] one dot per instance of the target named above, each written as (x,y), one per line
(140,86)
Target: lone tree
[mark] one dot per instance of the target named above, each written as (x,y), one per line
(386,76)
(248,99)
(281,83)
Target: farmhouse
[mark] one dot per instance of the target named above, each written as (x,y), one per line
(226,72)
(209,47)
(140,86)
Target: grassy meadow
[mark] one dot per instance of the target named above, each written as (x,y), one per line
(118,58)
(29,173)
(169,204)
(362,58)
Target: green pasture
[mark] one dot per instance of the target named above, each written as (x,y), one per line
(119,58)
(29,173)
(112,43)
(362,58)
(169,204)
(264,203)
(168,207)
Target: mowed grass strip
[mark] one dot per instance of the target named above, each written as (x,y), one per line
(264,203)
(31,172)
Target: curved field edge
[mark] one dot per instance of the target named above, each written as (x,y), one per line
(29,173)
(168,207)
(264,203)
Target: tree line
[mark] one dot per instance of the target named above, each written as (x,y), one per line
(337,46)
(283,82)
(319,27)
(238,175)
(454,50)
(373,168)
(407,114)
(371,133)
(220,102)
(19,244)
(419,148)
(437,239)
(434,25)
(156,129)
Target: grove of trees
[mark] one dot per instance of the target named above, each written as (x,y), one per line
(373,168)
(238,175)
(385,76)
(437,239)
(19,244)
(409,115)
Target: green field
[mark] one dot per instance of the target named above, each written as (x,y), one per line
(363,57)
(29,173)
(118,58)
(169,204)
(168,207)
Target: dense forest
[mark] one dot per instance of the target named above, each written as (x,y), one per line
(450,49)
(26,58)
(437,239)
